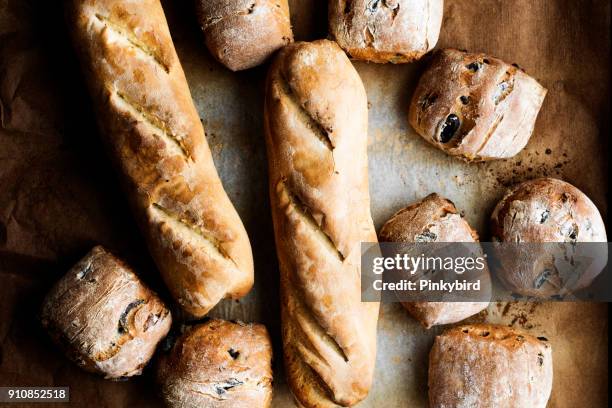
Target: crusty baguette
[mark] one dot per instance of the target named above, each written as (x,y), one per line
(381,31)
(484,366)
(104,318)
(242,34)
(316,134)
(153,131)
(432,219)
(474,106)
(218,364)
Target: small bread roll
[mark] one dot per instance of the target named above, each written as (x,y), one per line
(474,106)
(218,364)
(105,319)
(433,219)
(489,366)
(386,30)
(243,34)
(539,211)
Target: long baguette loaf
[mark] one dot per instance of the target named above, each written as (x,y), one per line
(316,133)
(153,131)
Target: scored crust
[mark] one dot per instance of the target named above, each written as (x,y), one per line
(154,135)
(243,34)
(218,364)
(104,318)
(475,106)
(316,136)
(489,366)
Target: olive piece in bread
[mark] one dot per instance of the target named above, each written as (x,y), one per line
(218,364)
(104,317)
(482,366)
(395,31)
(543,210)
(432,219)
(475,106)
(244,33)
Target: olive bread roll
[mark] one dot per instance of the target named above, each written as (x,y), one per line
(218,364)
(386,30)
(543,210)
(104,317)
(432,219)
(475,106)
(242,34)
(483,366)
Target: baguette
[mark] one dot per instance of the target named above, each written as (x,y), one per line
(104,317)
(153,132)
(218,364)
(316,133)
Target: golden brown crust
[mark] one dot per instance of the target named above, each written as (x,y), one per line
(475,106)
(218,364)
(432,219)
(381,31)
(489,366)
(243,34)
(539,211)
(153,131)
(104,318)
(316,134)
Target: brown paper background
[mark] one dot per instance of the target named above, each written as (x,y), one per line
(58,195)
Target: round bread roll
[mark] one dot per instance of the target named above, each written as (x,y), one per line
(433,219)
(105,319)
(475,106)
(218,364)
(242,34)
(544,210)
(393,31)
(483,366)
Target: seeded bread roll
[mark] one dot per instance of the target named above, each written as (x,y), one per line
(474,106)
(104,318)
(218,364)
(316,121)
(154,134)
(433,219)
(540,211)
(243,34)
(484,366)
(386,30)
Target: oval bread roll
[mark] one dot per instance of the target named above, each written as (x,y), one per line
(386,30)
(218,364)
(316,132)
(104,318)
(432,219)
(153,132)
(243,34)
(483,366)
(540,211)
(475,106)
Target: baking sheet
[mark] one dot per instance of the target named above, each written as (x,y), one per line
(58,195)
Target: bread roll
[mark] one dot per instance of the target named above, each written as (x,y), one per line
(475,106)
(386,30)
(104,318)
(316,132)
(432,219)
(489,366)
(540,211)
(218,364)
(153,132)
(242,34)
